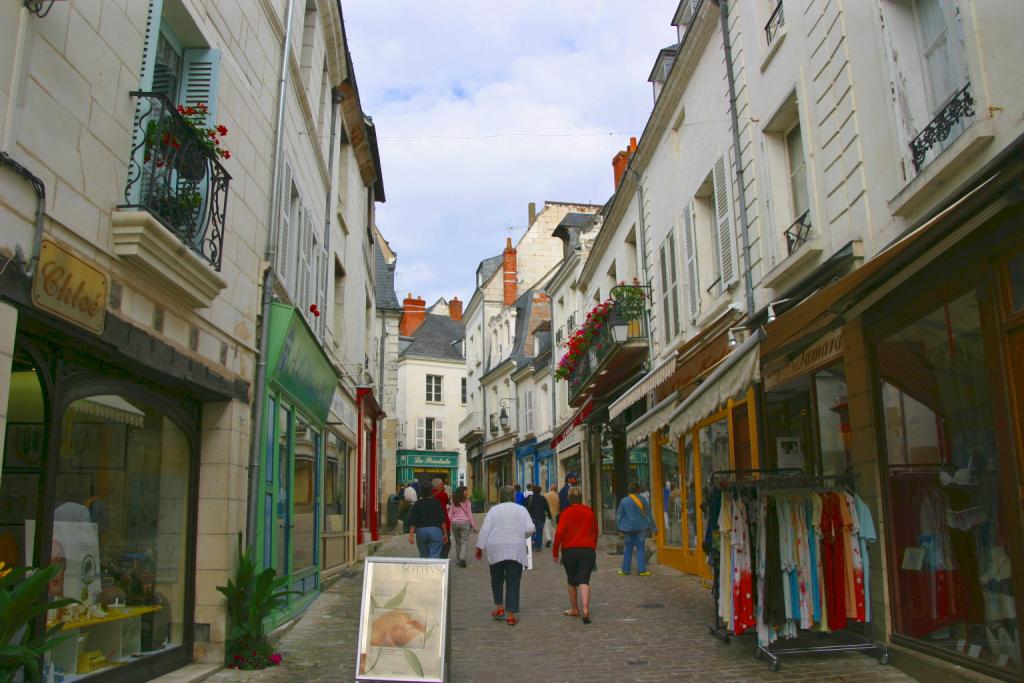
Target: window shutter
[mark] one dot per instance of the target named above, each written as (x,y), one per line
(674,281)
(667,326)
(200,75)
(322,299)
(723,207)
(145,85)
(421,431)
(284,193)
(690,259)
(305,285)
(438,434)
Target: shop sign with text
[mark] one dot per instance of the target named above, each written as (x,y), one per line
(70,288)
(825,351)
(430,460)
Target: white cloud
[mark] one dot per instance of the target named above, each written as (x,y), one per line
(435,73)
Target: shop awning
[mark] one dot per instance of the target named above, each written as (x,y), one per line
(647,383)
(812,316)
(652,421)
(574,422)
(572,439)
(109,407)
(734,374)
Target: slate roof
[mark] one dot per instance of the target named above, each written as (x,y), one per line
(488,267)
(384,282)
(435,338)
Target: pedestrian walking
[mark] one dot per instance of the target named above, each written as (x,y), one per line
(563,493)
(549,528)
(520,496)
(442,498)
(427,526)
(537,506)
(635,523)
(576,537)
(461,516)
(503,535)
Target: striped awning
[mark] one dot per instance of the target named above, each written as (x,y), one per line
(652,421)
(110,407)
(741,368)
(572,439)
(647,383)
(574,422)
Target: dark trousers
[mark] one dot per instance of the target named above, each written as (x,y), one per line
(538,534)
(505,577)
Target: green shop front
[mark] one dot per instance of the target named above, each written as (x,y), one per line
(300,387)
(424,466)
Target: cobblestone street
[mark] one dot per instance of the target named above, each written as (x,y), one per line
(644,629)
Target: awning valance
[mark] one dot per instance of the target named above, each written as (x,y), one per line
(652,421)
(646,384)
(110,407)
(735,373)
(573,422)
(571,439)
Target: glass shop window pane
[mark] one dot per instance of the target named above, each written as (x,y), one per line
(304,504)
(120,523)
(691,492)
(714,448)
(833,419)
(953,569)
(671,496)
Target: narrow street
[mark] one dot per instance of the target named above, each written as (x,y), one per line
(644,629)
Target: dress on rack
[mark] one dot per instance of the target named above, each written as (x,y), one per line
(742,579)
(834,561)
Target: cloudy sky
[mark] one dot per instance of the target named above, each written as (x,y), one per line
(482,107)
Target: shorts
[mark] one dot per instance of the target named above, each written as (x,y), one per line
(579,563)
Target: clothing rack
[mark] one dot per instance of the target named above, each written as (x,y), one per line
(780,480)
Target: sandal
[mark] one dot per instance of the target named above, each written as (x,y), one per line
(498,614)
(586,618)
(570,613)
(511,620)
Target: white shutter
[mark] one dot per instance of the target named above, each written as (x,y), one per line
(667,325)
(305,273)
(200,76)
(529,411)
(674,281)
(690,263)
(723,224)
(421,432)
(324,262)
(438,434)
(284,208)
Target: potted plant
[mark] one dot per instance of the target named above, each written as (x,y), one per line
(252,597)
(23,599)
(185,141)
(476,500)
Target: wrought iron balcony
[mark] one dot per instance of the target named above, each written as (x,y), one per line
(799,232)
(959,108)
(775,23)
(175,175)
(570,323)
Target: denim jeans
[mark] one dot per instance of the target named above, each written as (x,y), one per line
(634,540)
(505,577)
(429,540)
(538,534)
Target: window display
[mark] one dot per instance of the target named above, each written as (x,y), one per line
(950,558)
(808,422)
(672,496)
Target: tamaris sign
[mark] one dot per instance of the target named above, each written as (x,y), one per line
(70,288)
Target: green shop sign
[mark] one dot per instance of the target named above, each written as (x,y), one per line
(445,460)
(297,364)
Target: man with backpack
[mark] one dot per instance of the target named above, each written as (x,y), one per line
(635,523)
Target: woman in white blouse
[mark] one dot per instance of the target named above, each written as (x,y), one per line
(503,535)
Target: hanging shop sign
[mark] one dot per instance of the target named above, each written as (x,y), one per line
(446,460)
(70,288)
(403,620)
(823,352)
(298,364)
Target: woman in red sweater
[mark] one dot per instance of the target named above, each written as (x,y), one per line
(576,536)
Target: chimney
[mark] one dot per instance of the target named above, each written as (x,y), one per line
(532,213)
(455,309)
(621,160)
(414,312)
(511,272)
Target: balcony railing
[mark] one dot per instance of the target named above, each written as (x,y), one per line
(473,422)
(570,323)
(175,176)
(938,130)
(775,23)
(603,343)
(799,232)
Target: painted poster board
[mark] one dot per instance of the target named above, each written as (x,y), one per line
(403,620)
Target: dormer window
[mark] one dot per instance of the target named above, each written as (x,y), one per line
(662,68)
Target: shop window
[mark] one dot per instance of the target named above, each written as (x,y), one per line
(691,492)
(23,459)
(283,488)
(304,495)
(335,484)
(119,530)
(713,442)
(672,496)
(833,416)
(808,422)
(1015,270)
(742,451)
(951,562)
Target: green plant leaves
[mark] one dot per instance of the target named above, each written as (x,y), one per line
(413,661)
(23,598)
(396,601)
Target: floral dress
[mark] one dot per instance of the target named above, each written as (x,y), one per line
(742,579)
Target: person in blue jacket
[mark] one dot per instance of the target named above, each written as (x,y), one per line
(635,523)
(563,494)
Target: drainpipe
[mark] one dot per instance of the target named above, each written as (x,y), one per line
(267,287)
(40,190)
(723,6)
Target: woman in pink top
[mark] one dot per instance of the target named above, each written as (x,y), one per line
(461,515)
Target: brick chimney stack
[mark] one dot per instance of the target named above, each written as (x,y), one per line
(621,160)
(511,272)
(455,309)
(414,312)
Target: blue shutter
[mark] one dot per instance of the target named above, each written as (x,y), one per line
(200,77)
(149,45)
(148,62)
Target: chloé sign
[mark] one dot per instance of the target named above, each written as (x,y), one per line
(70,288)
